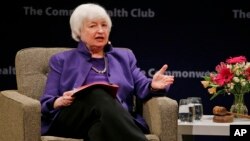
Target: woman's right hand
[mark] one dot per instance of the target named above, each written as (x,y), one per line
(65,100)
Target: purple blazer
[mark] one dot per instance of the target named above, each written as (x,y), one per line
(69,69)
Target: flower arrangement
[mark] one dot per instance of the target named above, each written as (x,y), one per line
(230,77)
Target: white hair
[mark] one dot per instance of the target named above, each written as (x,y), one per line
(83,12)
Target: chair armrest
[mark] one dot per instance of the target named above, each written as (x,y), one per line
(20,117)
(161,114)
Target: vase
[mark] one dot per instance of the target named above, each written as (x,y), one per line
(239,107)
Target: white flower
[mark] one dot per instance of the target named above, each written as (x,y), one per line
(243,82)
(236,79)
(237,72)
(230,86)
(229,66)
(247,65)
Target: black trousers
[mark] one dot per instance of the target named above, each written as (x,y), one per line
(96,116)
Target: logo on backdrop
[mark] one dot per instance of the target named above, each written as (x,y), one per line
(10,70)
(115,12)
(240,14)
(135,13)
(178,73)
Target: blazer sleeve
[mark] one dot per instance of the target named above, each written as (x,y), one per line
(51,91)
(141,82)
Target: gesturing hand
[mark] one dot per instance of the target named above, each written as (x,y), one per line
(160,80)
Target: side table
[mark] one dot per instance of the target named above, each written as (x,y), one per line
(206,126)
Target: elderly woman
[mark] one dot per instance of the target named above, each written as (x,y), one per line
(95,115)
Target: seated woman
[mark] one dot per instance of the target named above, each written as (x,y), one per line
(95,115)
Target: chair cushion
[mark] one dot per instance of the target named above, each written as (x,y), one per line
(150,137)
(53,138)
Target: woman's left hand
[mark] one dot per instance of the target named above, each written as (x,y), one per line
(65,100)
(160,80)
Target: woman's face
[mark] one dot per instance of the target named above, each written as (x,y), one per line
(95,33)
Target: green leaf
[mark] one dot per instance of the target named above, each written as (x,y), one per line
(218,93)
(207,78)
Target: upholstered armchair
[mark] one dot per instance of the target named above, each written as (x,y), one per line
(20,109)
